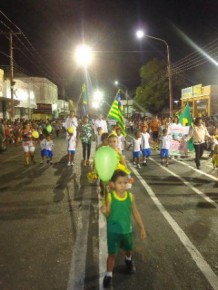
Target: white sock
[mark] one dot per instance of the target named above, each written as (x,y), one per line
(109,274)
(129,258)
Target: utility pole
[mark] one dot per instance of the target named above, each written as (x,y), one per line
(12,83)
(11,75)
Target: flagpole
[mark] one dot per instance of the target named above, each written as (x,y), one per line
(78,101)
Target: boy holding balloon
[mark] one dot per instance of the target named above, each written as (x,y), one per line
(71,145)
(119,207)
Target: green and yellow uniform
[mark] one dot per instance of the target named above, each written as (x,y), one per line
(119,224)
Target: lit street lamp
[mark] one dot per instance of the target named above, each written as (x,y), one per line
(84,55)
(140,34)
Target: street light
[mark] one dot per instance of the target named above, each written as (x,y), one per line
(97,99)
(84,55)
(140,34)
(126,94)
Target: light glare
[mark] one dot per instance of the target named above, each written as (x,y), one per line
(84,55)
(140,34)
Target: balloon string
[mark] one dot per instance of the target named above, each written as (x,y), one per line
(104,191)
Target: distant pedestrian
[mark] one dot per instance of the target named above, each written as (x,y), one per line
(120,206)
(57,127)
(28,143)
(71,121)
(86,133)
(100,122)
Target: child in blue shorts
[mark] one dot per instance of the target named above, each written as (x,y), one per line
(137,149)
(120,206)
(71,145)
(165,147)
(146,150)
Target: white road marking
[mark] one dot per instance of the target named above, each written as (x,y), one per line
(102,247)
(188,184)
(76,280)
(193,251)
(197,170)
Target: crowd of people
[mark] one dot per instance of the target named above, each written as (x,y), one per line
(147,134)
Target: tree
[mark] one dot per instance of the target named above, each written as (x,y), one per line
(153,93)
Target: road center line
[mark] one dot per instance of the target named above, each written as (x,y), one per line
(193,251)
(188,184)
(102,246)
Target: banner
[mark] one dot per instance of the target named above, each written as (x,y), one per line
(178,133)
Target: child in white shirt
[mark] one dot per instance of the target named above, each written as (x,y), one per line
(146,150)
(98,137)
(164,147)
(71,147)
(136,149)
(121,140)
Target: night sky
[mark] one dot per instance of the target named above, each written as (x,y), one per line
(55,27)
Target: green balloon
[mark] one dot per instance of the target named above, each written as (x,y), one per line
(105,162)
(49,128)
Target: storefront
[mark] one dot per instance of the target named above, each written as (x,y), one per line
(203,101)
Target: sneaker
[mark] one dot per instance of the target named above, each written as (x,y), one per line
(130,266)
(144,163)
(107,282)
(139,166)
(69,163)
(167,164)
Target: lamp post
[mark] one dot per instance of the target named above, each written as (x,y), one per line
(127,97)
(140,34)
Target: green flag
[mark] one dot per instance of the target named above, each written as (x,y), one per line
(117,114)
(185,119)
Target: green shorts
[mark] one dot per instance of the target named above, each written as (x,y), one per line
(119,241)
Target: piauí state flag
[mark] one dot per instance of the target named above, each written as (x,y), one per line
(117,114)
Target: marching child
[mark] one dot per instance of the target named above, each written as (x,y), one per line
(146,150)
(120,206)
(42,148)
(98,137)
(136,149)
(121,140)
(71,145)
(49,144)
(164,147)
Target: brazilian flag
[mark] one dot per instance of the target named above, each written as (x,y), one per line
(185,119)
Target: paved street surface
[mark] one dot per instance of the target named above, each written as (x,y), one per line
(52,236)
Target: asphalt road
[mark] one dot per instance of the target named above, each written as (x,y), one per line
(52,236)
